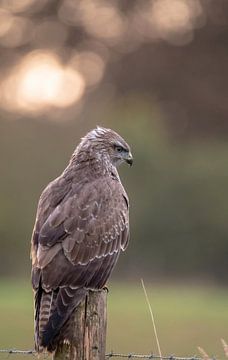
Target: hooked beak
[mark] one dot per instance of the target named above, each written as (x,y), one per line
(129,159)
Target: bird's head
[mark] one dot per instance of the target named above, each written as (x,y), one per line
(102,142)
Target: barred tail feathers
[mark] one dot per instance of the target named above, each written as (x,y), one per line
(45,304)
(66,300)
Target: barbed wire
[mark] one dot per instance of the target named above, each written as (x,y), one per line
(151,356)
(112,354)
(15,351)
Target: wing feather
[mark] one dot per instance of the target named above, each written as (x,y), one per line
(86,229)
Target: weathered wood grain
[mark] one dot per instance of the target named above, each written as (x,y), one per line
(87,329)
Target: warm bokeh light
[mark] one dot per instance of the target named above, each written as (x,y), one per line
(90,65)
(171,15)
(170,20)
(176,16)
(40,81)
(87,35)
(6,21)
(99,18)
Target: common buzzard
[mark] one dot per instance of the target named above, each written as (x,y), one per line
(82,224)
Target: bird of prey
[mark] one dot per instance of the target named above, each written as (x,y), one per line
(82,224)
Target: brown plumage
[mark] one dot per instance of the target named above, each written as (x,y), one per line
(82,224)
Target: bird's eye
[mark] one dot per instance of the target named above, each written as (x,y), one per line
(119,148)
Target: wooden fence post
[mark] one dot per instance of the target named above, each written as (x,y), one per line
(88,330)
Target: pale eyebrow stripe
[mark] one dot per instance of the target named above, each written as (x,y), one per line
(118,143)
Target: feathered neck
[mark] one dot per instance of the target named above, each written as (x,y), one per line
(91,164)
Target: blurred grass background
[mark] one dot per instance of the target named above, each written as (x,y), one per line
(185,316)
(155,71)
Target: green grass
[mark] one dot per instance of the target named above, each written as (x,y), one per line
(185,318)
